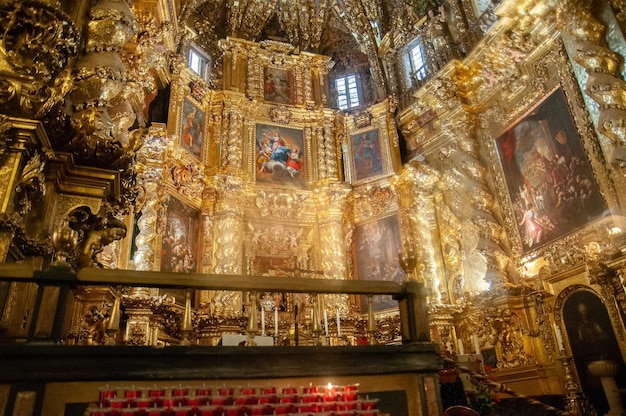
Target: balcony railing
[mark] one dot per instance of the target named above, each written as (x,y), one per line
(411,295)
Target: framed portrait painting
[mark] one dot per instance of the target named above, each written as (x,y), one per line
(366,155)
(179,244)
(192,132)
(551,185)
(591,338)
(280,157)
(277,86)
(377,251)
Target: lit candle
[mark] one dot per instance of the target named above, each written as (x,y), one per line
(459,342)
(338,324)
(476,343)
(263,321)
(559,337)
(275,322)
(325,322)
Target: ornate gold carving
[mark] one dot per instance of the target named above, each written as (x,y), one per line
(280,114)
(39,41)
(188,179)
(372,201)
(362,119)
(232,156)
(282,204)
(30,187)
(275,240)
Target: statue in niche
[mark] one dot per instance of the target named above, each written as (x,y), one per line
(95,232)
(436,29)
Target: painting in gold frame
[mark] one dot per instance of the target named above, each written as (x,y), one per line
(180,238)
(549,178)
(366,155)
(192,131)
(280,156)
(377,250)
(277,86)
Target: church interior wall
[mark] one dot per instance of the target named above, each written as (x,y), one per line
(508,204)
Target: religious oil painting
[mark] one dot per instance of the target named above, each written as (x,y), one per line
(280,157)
(180,239)
(192,128)
(377,251)
(277,86)
(550,181)
(366,156)
(591,338)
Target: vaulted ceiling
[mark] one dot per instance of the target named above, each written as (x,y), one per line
(348,30)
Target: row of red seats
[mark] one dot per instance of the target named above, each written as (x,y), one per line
(228,401)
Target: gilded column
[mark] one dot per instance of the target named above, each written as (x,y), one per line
(101,73)
(209,199)
(415,188)
(604,84)
(232,156)
(150,204)
(471,179)
(228,243)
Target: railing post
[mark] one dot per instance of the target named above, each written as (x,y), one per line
(53,291)
(113,326)
(253,325)
(414,313)
(186,326)
(371,321)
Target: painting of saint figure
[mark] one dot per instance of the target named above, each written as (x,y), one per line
(277,86)
(549,177)
(280,157)
(591,338)
(179,243)
(377,252)
(192,128)
(366,155)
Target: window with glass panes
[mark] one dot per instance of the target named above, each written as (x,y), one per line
(199,63)
(347,92)
(418,64)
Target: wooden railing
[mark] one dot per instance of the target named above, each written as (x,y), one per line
(411,295)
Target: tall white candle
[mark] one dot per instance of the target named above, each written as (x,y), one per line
(476,343)
(263,321)
(559,337)
(325,322)
(338,324)
(275,322)
(459,342)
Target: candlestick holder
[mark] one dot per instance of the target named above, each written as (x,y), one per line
(576,402)
(408,262)
(253,324)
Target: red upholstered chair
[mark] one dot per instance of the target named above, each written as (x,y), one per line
(460,411)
